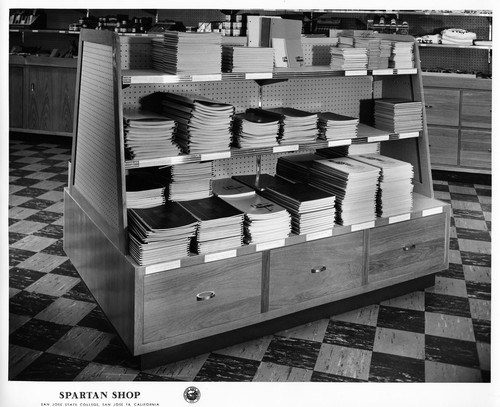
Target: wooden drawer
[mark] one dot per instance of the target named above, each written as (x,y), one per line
(171,306)
(443,145)
(475,149)
(442,106)
(314,269)
(476,109)
(413,247)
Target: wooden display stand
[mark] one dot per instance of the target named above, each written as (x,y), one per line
(259,288)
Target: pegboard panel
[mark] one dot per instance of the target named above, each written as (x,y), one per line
(464,59)
(135,53)
(96,154)
(316,51)
(338,94)
(240,94)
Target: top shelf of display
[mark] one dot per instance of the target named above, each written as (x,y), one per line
(464,13)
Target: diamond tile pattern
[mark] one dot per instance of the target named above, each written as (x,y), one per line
(59,333)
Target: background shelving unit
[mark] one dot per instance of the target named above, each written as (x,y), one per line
(259,288)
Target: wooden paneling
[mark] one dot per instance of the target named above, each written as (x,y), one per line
(476,109)
(16,87)
(411,247)
(51,98)
(476,149)
(171,307)
(442,106)
(443,144)
(311,270)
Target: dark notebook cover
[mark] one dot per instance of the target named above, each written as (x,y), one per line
(210,208)
(259,116)
(168,216)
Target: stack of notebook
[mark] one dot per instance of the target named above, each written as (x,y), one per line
(148,134)
(256,128)
(295,167)
(398,115)
(351,149)
(159,234)
(203,125)
(354,185)
(247,59)
(402,55)
(265,221)
(188,53)
(348,59)
(189,181)
(334,126)
(312,210)
(220,224)
(394,195)
(143,192)
(372,46)
(385,52)
(296,126)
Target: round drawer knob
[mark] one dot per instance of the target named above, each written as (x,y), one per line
(409,247)
(205,295)
(318,269)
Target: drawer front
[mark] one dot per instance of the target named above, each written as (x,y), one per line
(409,247)
(442,106)
(171,306)
(476,109)
(314,269)
(475,149)
(443,145)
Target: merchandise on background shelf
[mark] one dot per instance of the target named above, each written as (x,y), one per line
(187,53)
(203,125)
(247,59)
(457,36)
(161,233)
(334,126)
(398,115)
(296,126)
(256,128)
(148,134)
(394,194)
(220,225)
(142,191)
(354,185)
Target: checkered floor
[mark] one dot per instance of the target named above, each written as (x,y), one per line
(57,331)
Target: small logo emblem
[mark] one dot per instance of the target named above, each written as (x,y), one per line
(192,394)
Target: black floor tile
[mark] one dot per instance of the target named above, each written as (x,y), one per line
(464,197)
(21,278)
(447,304)
(454,244)
(55,248)
(37,334)
(97,320)
(25,182)
(327,377)
(31,192)
(475,259)
(454,270)
(60,178)
(37,203)
(147,377)
(349,334)
(441,187)
(221,368)
(51,231)
(393,368)
(45,217)
(486,207)
(472,234)
(479,291)
(56,169)
(15,237)
(482,330)
(402,319)
(66,269)
(17,172)
(117,354)
(80,292)
(16,256)
(483,191)
(50,367)
(451,351)
(29,304)
(292,352)
(466,214)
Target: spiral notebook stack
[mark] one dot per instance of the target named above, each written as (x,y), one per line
(148,134)
(354,184)
(189,181)
(256,128)
(159,234)
(312,210)
(334,126)
(220,225)
(247,59)
(296,126)
(142,192)
(348,59)
(398,115)
(394,195)
(265,221)
(372,46)
(188,53)
(295,167)
(203,125)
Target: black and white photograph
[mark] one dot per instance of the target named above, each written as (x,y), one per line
(247,203)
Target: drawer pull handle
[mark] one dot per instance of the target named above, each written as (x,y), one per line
(409,247)
(205,295)
(318,269)
(428,106)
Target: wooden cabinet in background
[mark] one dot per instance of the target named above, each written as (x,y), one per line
(459,115)
(42,95)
